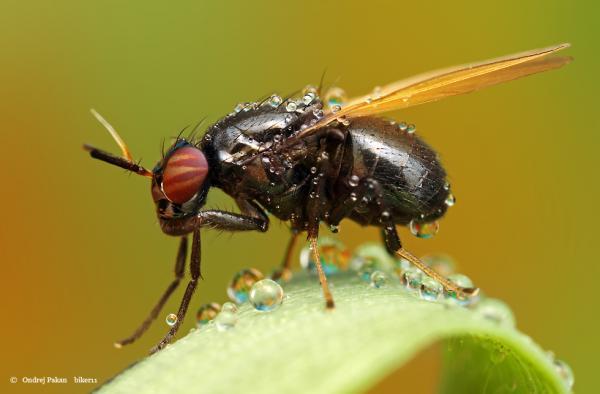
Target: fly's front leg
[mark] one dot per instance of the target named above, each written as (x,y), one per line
(251,208)
(220,220)
(214,219)
(189,291)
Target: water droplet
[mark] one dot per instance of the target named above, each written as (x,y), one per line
(226,320)
(446,186)
(353,196)
(450,200)
(229,307)
(318,113)
(378,279)
(402,126)
(369,100)
(244,168)
(461,281)
(171,319)
(344,121)
(371,257)
(565,372)
(238,108)
(430,289)
(424,230)
(441,263)
(206,313)
(411,129)
(313,170)
(496,311)
(412,278)
(353,181)
(266,295)
(334,256)
(291,106)
(242,282)
(275,101)
(208,137)
(336,108)
(277,138)
(335,96)
(385,216)
(401,265)
(334,228)
(308,98)
(324,156)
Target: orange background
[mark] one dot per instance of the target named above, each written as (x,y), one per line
(82,257)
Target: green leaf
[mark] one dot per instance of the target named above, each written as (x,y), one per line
(302,348)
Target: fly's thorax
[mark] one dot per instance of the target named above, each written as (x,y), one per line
(245,147)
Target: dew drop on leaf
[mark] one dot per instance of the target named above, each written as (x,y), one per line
(241,283)
(378,279)
(225,320)
(333,253)
(206,313)
(430,289)
(496,311)
(266,295)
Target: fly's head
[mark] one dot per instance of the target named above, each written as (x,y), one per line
(180,181)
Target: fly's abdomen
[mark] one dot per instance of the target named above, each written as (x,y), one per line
(411,178)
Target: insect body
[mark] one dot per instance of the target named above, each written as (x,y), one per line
(309,165)
(366,170)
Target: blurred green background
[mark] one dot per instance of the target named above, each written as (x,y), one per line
(83,259)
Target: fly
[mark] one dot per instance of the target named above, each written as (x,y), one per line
(308,163)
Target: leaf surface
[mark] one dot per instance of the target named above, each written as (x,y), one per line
(301,348)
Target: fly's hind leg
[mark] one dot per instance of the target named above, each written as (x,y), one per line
(394,247)
(371,190)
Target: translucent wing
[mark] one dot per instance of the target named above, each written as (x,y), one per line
(439,84)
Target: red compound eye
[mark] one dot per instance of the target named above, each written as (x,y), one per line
(184,174)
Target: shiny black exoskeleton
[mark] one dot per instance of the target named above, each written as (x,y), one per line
(368,170)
